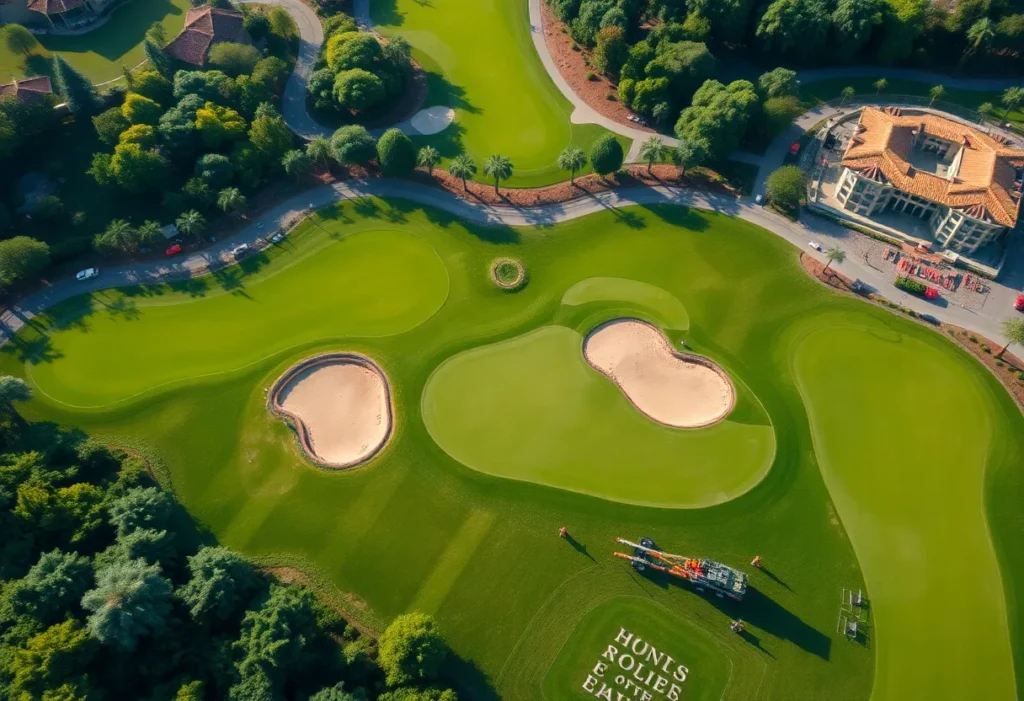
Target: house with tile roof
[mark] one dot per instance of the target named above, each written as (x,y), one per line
(59,14)
(204,27)
(28,89)
(963,181)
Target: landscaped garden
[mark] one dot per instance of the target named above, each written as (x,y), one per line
(856,437)
(101,53)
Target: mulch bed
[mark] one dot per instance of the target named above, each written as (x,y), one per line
(661,174)
(1008,369)
(573,67)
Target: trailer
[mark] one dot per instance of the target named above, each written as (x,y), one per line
(701,573)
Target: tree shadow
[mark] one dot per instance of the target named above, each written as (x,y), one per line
(73,313)
(625,216)
(493,232)
(386,12)
(469,680)
(122,308)
(35,350)
(193,287)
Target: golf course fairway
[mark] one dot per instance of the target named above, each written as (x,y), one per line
(481,61)
(865,451)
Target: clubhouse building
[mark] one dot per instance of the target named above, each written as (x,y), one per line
(963,183)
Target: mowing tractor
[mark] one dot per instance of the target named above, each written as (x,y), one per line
(702,574)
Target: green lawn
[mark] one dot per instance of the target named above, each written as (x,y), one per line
(481,61)
(891,445)
(818,91)
(101,53)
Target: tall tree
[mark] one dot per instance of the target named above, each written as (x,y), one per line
(687,154)
(52,587)
(846,93)
(853,22)
(131,601)
(795,28)
(833,255)
(222,584)
(462,167)
(1011,99)
(13,389)
(119,235)
(880,85)
(231,199)
(979,36)
(572,159)
(606,155)
(1013,329)
(319,150)
(498,167)
(191,223)
(22,258)
(74,87)
(936,93)
(428,157)
(18,39)
(157,58)
(297,164)
(412,650)
(651,150)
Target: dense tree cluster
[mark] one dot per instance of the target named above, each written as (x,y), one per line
(986,34)
(357,73)
(107,590)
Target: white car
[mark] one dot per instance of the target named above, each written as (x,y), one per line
(815,245)
(278,237)
(240,250)
(87,274)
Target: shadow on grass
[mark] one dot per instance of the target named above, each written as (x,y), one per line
(578,546)
(35,350)
(469,680)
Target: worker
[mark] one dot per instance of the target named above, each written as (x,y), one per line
(756,562)
(563,532)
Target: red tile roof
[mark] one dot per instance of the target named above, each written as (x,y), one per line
(54,7)
(984,186)
(204,27)
(30,88)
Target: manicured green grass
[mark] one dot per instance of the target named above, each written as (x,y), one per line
(831,89)
(540,413)
(417,529)
(887,485)
(482,62)
(655,642)
(101,53)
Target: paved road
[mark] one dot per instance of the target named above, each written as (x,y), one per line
(798,234)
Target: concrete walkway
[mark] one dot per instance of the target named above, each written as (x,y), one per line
(799,234)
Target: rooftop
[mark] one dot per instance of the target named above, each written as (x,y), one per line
(54,7)
(30,88)
(981,179)
(204,27)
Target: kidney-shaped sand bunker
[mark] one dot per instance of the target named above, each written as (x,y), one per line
(676,389)
(340,405)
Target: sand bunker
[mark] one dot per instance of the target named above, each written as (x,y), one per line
(432,120)
(340,404)
(676,389)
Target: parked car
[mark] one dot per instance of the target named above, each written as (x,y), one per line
(759,200)
(240,250)
(815,245)
(1018,303)
(173,250)
(278,237)
(87,274)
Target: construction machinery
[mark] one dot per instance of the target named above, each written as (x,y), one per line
(702,573)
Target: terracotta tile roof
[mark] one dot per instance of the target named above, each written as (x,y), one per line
(54,7)
(30,88)
(984,186)
(204,27)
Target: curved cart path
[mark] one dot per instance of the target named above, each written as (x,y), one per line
(986,322)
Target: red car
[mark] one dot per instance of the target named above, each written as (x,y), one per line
(1019,303)
(173,250)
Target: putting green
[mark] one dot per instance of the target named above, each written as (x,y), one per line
(531,408)
(634,645)
(101,53)
(917,534)
(892,446)
(482,62)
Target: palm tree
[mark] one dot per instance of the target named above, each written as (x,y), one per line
(833,255)
(651,150)
(319,150)
(686,154)
(428,158)
(230,199)
(572,159)
(880,85)
(936,93)
(119,234)
(986,109)
(191,223)
(847,93)
(498,167)
(1012,99)
(149,233)
(1013,329)
(462,166)
(980,34)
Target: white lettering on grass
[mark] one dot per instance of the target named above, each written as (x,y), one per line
(641,663)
